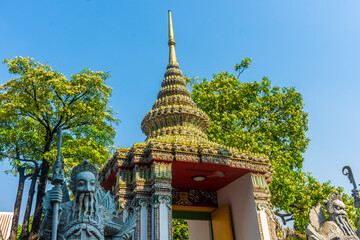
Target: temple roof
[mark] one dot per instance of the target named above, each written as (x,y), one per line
(5,224)
(175,115)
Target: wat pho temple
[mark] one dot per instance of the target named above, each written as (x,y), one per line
(177,173)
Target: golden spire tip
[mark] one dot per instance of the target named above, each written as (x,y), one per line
(172,54)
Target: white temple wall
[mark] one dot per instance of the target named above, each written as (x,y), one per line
(143,221)
(164,221)
(264,225)
(198,230)
(240,197)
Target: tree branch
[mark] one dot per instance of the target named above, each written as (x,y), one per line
(29,160)
(58,96)
(17,157)
(283,217)
(36,118)
(34,97)
(78,97)
(240,72)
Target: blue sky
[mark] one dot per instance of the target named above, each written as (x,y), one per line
(312,45)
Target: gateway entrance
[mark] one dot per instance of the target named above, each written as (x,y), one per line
(206,223)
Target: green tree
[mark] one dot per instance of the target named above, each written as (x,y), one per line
(39,101)
(245,63)
(261,118)
(180,229)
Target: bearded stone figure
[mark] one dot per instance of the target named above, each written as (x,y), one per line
(90,215)
(337,228)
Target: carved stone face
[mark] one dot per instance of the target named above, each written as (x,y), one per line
(339,208)
(85,182)
(84,200)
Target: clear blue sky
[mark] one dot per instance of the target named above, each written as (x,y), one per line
(311,45)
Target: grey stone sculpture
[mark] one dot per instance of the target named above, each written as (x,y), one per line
(90,215)
(355,191)
(338,226)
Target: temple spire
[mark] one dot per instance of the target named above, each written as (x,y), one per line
(175,115)
(172,54)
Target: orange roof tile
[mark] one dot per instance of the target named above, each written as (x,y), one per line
(5,224)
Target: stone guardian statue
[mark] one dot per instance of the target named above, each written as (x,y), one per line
(337,228)
(90,215)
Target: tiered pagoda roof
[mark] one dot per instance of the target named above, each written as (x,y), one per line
(174,115)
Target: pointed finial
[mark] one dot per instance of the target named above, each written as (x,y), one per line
(172,54)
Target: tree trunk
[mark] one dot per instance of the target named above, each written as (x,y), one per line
(39,200)
(25,227)
(15,220)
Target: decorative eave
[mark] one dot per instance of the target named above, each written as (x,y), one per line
(156,151)
(112,164)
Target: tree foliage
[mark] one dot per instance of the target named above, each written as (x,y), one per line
(39,101)
(180,229)
(245,63)
(261,118)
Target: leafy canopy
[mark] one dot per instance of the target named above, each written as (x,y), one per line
(255,117)
(39,101)
(245,63)
(180,229)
